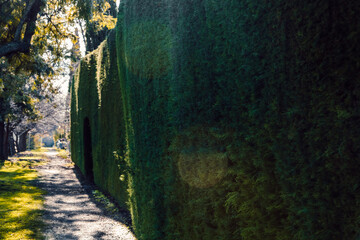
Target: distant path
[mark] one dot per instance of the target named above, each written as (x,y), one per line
(69,211)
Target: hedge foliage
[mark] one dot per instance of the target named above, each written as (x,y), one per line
(96,96)
(230,120)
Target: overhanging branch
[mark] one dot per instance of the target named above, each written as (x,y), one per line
(13,47)
(28,19)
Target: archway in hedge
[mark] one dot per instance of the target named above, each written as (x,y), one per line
(88,161)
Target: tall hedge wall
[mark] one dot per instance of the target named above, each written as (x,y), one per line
(84,104)
(234,120)
(96,95)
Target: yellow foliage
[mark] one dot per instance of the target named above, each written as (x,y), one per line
(104,20)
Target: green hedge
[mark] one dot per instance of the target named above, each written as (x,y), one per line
(110,167)
(96,95)
(84,104)
(231,120)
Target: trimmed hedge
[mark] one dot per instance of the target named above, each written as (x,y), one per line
(231,120)
(95,89)
(84,104)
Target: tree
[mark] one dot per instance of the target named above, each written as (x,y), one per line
(21,92)
(32,47)
(96,18)
(29,50)
(22,27)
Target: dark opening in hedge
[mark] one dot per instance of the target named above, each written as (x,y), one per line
(88,151)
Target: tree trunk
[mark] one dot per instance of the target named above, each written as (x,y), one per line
(2,138)
(16,142)
(22,142)
(12,149)
(6,140)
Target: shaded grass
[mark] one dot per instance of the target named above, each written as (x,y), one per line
(37,154)
(101,198)
(40,150)
(20,202)
(27,162)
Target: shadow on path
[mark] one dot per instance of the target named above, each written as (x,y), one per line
(70,210)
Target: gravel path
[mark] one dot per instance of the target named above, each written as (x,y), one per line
(70,211)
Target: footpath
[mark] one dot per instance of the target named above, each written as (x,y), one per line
(71,210)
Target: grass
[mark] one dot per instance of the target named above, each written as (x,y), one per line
(63,153)
(20,202)
(40,150)
(101,198)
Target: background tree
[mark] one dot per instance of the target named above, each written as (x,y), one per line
(95,18)
(33,48)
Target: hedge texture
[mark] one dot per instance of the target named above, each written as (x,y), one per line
(229,120)
(96,95)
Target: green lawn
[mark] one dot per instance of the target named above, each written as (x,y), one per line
(20,202)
